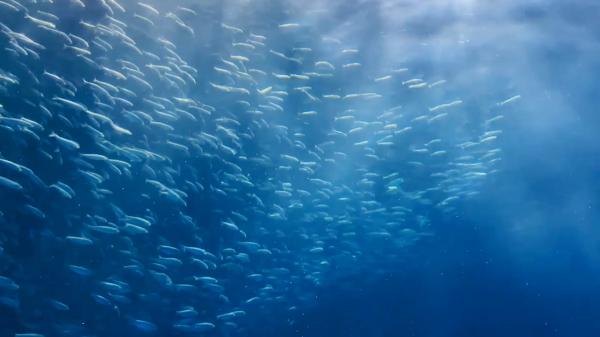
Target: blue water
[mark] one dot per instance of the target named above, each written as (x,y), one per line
(522,260)
(325,168)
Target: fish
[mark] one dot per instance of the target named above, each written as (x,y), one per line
(446,105)
(509,100)
(177,172)
(144,326)
(10,184)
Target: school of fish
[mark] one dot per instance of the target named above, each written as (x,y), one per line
(164,171)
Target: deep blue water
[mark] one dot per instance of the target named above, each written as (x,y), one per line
(478,278)
(524,259)
(289,237)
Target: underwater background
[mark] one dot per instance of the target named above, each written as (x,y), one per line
(285,168)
